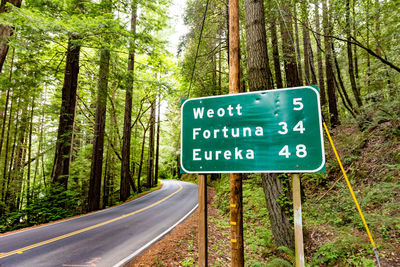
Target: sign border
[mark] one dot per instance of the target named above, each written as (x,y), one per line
(258,171)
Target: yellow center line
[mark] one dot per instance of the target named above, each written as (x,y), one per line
(21,250)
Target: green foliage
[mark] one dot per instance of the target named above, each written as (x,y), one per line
(223,194)
(188,262)
(343,251)
(278,262)
(53,204)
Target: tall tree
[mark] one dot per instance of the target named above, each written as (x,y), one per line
(3,124)
(288,47)
(308,64)
(281,227)
(61,164)
(330,83)
(257,51)
(100,121)
(275,50)
(126,146)
(157,141)
(6,31)
(150,169)
(321,81)
(356,92)
(297,46)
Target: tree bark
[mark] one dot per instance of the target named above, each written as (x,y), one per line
(281,227)
(150,169)
(341,84)
(321,81)
(16,171)
(288,49)
(99,131)
(157,142)
(306,43)
(61,164)
(275,52)
(139,186)
(99,127)
(126,146)
(28,176)
(6,31)
(257,51)
(4,184)
(6,105)
(11,162)
(297,46)
(350,57)
(355,36)
(330,83)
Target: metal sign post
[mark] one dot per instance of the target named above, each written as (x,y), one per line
(298,225)
(202,232)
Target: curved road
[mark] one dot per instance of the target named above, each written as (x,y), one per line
(106,238)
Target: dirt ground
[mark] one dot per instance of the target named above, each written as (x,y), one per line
(179,247)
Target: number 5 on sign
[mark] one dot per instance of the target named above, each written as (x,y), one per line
(297,102)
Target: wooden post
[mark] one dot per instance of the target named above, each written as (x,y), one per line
(203,251)
(236,207)
(298,226)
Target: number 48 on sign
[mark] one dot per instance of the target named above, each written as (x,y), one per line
(264,131)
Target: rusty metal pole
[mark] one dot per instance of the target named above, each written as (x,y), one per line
(203,240)
(236,207)
(298,225)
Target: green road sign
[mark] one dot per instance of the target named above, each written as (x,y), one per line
(264,131)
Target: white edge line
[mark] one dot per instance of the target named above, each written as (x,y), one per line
(137,252)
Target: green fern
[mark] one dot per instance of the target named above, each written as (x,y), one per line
(278,262)
(288,254)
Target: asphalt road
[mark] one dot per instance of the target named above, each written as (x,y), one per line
(106,238)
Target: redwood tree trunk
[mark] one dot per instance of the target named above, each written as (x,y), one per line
(4,184)
(139,186)
(275,53)
(330,83)
(60,171)
(5,31)
(281,226)
(98,142)
(257,61)
(150,170)
(306,43)
(321,81)
(6,104)
(297,47)
(126,146)
(350,57)
(289,54)
(157,142)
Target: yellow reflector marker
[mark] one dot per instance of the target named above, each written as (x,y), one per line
(233,223)
(233,240)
